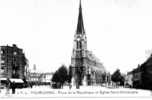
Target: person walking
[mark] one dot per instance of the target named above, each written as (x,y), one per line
(7,85)
(13,86)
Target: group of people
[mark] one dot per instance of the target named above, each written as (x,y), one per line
(10,85)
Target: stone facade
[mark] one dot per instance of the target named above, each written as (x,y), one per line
(85,68)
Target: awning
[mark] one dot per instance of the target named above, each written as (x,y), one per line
(3,79)
(16,80)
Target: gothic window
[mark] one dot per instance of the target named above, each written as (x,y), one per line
(77,44)
(80,44)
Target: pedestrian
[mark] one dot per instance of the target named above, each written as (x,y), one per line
(7,85)
(70,86)
(13,86)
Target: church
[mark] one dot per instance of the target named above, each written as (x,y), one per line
(85,68)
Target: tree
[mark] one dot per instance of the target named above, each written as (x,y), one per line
(117,77)
(63,74)
(70,74)
(60,76)
(55,77)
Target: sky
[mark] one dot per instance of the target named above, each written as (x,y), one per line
(118,31)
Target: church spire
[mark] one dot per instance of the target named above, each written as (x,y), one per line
(80,26)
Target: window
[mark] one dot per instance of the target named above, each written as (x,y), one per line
(1,51)
(79,45)
(2,67)
(15,53)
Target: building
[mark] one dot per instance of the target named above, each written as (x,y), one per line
(129,79)
(142,75)
(134,77)
(95,70)
(85,67)
(12,65)
(12,62)
(36,78)
(46,77)
(146,74)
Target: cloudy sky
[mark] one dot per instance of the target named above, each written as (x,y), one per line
(118,31)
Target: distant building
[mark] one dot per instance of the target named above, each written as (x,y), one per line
(46,77)
(12,62)
(36,78)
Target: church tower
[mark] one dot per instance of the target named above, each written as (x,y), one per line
(79,54)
